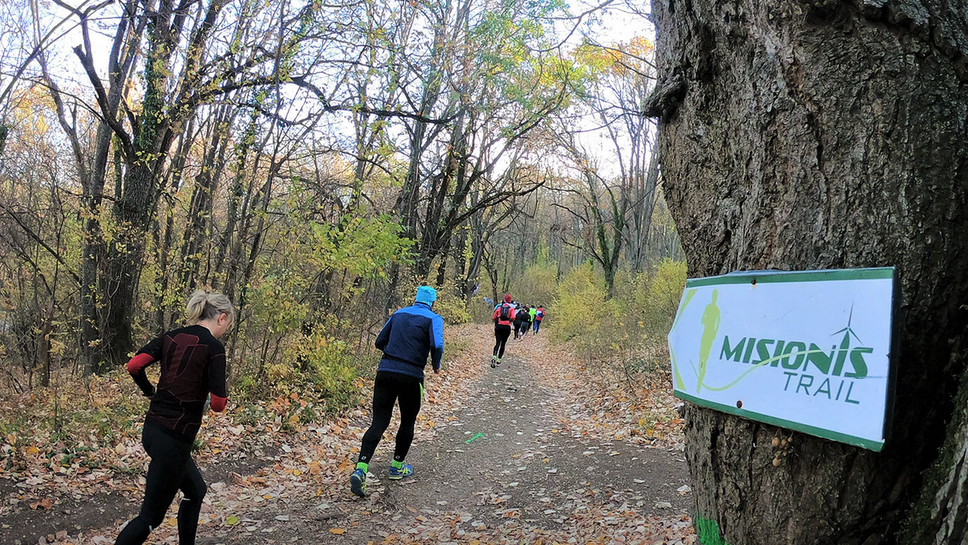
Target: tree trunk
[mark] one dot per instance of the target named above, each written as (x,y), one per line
(801,134)
(237,197)
(90,265)
(162,246)
(124,260)
(442,266)
(645,181)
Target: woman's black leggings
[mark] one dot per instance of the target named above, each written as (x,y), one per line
(171,469)
(501,334)
(387,388)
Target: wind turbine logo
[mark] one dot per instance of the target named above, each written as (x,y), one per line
(847,331)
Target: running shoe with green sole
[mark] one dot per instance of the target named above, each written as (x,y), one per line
(358,483)
(397,474)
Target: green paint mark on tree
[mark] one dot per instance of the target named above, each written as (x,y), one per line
(708,531)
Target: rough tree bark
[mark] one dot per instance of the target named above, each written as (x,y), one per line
(809,134)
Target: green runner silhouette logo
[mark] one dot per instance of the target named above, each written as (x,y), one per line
(710,323)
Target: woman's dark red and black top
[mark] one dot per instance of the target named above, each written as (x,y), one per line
(192,366)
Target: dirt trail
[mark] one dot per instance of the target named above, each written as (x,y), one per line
(502,468)
(499,470)
(493,466)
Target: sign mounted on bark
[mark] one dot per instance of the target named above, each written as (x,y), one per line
(808,351)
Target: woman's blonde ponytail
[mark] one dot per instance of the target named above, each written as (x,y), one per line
(204,304)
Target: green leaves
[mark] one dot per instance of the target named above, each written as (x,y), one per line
(361,245)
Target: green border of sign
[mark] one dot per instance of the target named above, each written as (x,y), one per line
(773,277)
(804,428)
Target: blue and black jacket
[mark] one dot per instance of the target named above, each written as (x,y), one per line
(409,336)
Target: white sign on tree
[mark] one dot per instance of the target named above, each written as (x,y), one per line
(808,351)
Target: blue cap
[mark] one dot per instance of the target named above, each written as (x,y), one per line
(426,294)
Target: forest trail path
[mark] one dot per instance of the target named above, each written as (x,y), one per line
(501,469)
(506,455)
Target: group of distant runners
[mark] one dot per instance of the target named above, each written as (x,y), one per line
(192,361)
(510,316)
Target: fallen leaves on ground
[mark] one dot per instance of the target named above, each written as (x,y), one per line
(606,403)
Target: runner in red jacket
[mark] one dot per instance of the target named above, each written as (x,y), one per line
(503,318)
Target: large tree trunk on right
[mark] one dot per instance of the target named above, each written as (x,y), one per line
(941,514)
(809,134)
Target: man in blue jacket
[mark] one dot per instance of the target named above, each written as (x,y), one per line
(409,336)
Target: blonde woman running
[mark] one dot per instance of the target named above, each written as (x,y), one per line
(192,363)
